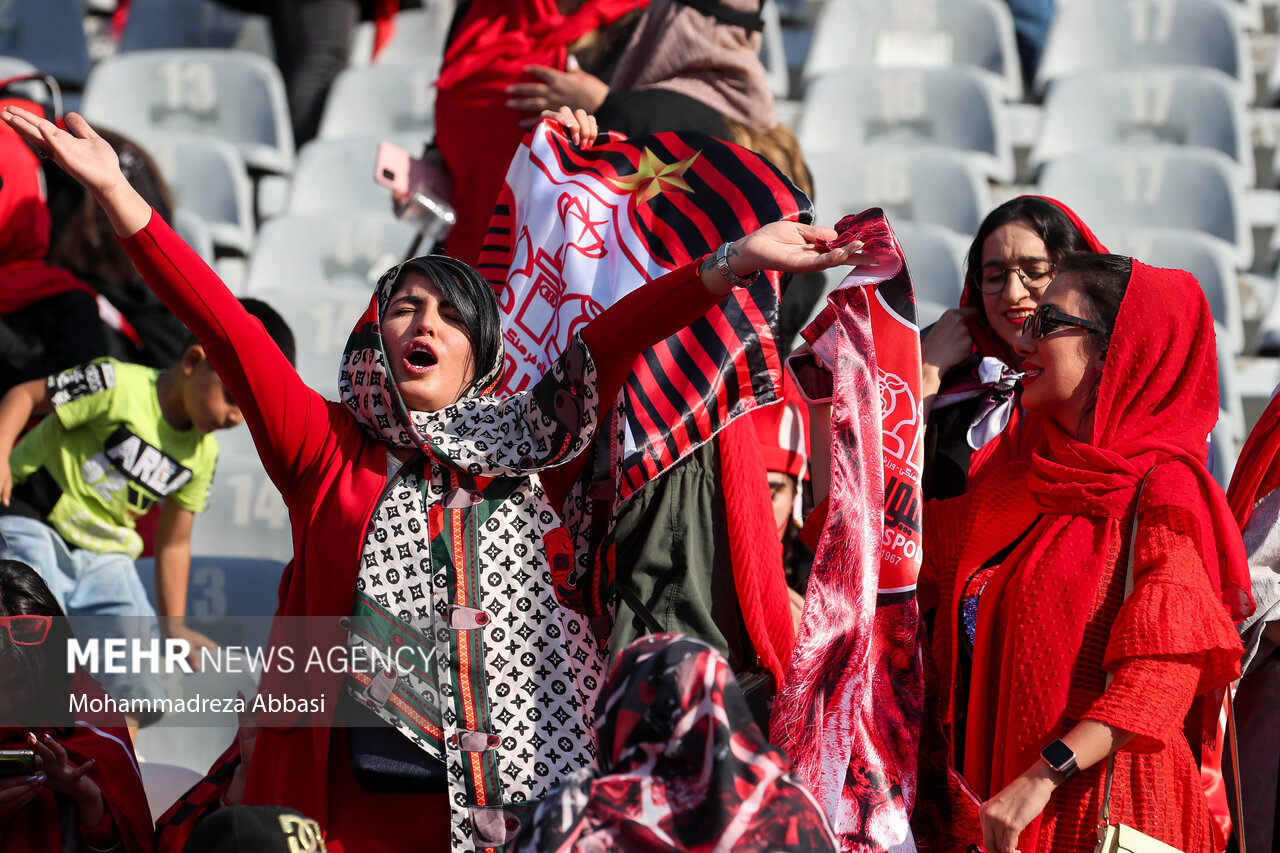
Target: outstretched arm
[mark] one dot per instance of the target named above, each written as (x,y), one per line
(277,405)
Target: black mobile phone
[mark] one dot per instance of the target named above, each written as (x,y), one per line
(815,382)
(17,762)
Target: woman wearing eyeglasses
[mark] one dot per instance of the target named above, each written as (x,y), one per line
(1120,363)
(969,359)
(65,770)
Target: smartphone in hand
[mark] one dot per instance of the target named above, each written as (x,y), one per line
(814,382)
(17,762)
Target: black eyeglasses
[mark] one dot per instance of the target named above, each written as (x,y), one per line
(1036,278)
(1047,320)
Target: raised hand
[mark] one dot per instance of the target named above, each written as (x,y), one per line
(580,125)
(90,159)
(82,153)
(792,247)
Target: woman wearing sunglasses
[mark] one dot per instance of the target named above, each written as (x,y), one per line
(970,363)
(66,770)
(1048,670)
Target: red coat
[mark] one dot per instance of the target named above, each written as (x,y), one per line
(331,476)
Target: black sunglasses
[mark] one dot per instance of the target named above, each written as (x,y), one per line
(1047,320)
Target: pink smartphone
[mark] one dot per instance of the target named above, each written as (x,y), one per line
(397,171)
(814,382)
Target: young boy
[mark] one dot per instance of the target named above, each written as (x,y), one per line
(123,437)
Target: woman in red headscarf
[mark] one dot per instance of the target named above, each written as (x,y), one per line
(1048,670)
(969,361)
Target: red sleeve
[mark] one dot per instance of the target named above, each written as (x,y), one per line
(641,319)
(1149,697)
(288,420)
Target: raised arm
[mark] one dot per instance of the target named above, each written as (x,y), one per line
(664,306)
(276,403)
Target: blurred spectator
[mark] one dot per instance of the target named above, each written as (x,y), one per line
(87,246)
(784,442)
(256,828)
(48,318)
(86,778)
(491,44)
(1031,20)
(312,41)
(681,767)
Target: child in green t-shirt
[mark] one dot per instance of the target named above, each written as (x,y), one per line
(123,438)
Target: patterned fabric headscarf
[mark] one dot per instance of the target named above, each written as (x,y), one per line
(682,767)
(475,435)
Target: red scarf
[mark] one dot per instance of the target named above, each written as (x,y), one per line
(25,278)
(476,131)
(103,738)
(1024,432)
(1156,404)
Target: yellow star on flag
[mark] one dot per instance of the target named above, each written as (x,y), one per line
(655,176)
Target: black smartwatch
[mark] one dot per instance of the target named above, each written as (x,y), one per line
(1060,757)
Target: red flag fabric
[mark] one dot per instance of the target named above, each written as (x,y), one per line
(849,712)
(574,231)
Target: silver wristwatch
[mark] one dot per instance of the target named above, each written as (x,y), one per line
(722,264)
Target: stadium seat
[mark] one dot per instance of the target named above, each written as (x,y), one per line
(245,517)
(49,34)
(1157,187)
(224,94)
(773,52)
(901,108)
(385,98)
(1171,106)
(933,259)
(928,313)
(322,318)
(1230,401)
(419,34)
(1209,259)
(207,176)
(296,253)
(336,176)
(918,34)
(165,24)
(1222,449)
(928,186)
(194,231)
(1095,34)
(164,783)
(35,90)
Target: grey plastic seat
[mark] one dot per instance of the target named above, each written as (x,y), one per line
(918,34)
(207,176)
(1093,34)
(923,185)
(389,97)
(1230,401)
(230,95)
(900,108)
(34,90)
(245,515)
(933,258)
(336,175)
(419,34)
(297,253)
(928,313)
(1209,259)
(1172,106)
(773,53)
(194,231)
(322,319)
(164,24)
(1155,187)
(49,34)
(1222,446)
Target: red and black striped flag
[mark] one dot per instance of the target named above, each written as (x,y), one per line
(575,230)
